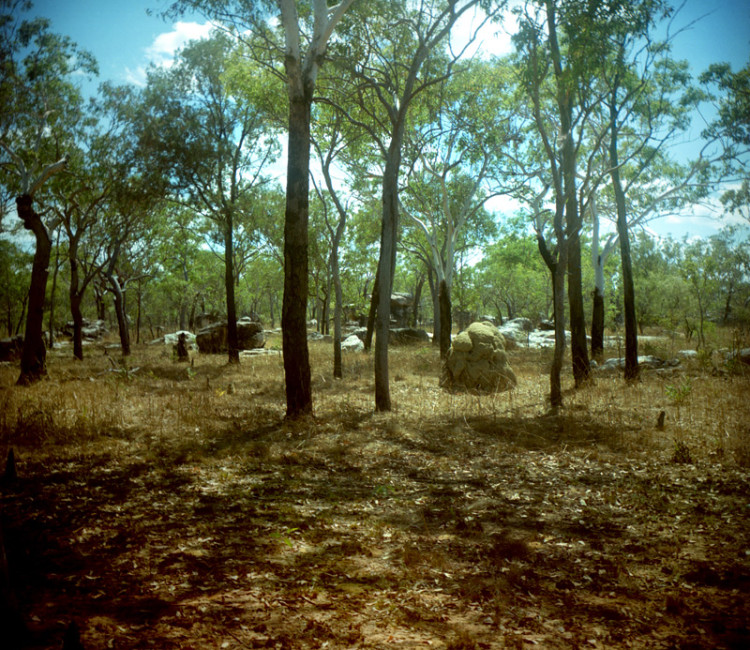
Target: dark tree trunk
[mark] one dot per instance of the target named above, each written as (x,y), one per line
(75,312)
(122,319)
(21,315)
(578,348)
(51,320)
(631,335)
(597,324)
(34,354)
(372,313)
(337,361)
(386,269)
(232,338)
(138,299)
(557,272)
(444,298)
(101,306)
(294,308)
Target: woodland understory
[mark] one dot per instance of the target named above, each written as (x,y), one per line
(165,505)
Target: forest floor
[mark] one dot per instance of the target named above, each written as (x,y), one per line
(165,505)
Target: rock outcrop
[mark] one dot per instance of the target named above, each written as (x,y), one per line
(213,339)
(477,361)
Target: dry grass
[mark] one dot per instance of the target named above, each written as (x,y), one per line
(181,510)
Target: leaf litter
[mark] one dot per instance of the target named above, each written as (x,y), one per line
(187,517)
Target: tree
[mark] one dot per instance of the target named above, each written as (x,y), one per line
(40,103)
(306,35)
(212,143)
(393,57)
(456,173)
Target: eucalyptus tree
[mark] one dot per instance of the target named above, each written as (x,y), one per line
(394,54)
(648,98)
(559,54)
(336,142)
(731,128)
(79,199)
(211,143)
(41,103)
(294,54)
(459,169)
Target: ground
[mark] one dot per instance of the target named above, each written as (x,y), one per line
(164,505)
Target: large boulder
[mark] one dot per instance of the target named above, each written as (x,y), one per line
(407,336)
(213,339)
(402,305)
(89,331)
(352,343)
(516,332)
(477,361)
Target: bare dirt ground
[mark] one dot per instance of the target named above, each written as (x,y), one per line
(166,506)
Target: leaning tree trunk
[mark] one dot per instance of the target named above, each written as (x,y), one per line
(294,307)
(444,300)
(34,354)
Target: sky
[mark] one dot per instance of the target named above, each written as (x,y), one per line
(125,40)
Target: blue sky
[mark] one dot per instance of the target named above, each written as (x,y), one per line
(125,40)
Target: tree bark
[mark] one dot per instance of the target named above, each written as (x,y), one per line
(337,361)
(631,334)
(122,319)
(435,309)
(557,272)
(386,268)
(34,354)
(597,323)
(373,310)
(444,299)
(294,308)
(53,292)
(233,345)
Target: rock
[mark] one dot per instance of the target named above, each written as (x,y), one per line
(360,332)
(171,339)
(213,339)
(688,354)
(11,348)
(644,362)
(546,325)
(317,336)
(407,336)
(352,343)
(523,324)
(742,356)
(401,308)
(258,352)
(477,361)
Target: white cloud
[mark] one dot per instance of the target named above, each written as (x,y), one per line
(162,50)
(492,39)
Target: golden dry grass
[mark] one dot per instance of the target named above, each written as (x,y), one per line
(181,510)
